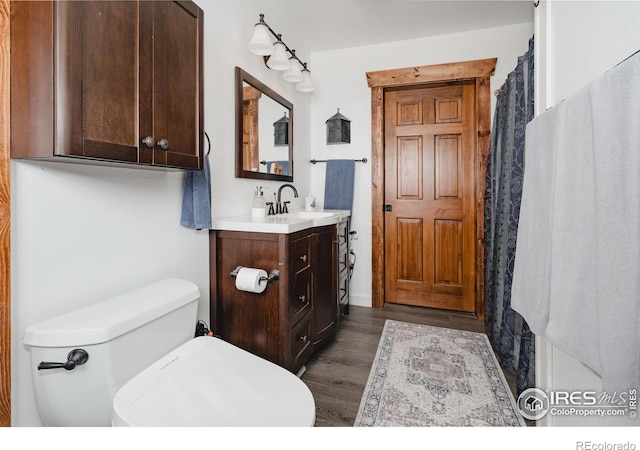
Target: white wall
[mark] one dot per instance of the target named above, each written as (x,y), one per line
(341,83)
(576,42)
(228,29)
(82,234)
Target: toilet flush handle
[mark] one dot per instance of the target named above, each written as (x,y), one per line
(75,358)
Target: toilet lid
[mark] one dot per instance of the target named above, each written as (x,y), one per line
(209,382)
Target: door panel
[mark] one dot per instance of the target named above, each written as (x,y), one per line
(409,161)
(448,252)
(448,149)
(410,249)
(430,146)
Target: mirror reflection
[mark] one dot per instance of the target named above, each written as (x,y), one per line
(264,131)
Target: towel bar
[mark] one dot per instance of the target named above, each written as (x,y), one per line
(314,161)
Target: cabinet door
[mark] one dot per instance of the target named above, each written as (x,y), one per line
(93,79)
(177,89)
(96,80)
(325,302)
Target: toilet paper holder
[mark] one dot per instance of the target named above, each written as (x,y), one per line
(273,276)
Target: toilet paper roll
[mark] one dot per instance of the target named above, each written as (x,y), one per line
(249,280)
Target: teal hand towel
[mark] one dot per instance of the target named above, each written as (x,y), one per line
(338,185)
(196,200)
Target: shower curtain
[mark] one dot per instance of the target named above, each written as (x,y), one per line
(509,334)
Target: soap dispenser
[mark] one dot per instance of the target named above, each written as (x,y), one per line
(258,204)
(310,203)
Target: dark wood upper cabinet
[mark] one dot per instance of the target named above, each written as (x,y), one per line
(108,81)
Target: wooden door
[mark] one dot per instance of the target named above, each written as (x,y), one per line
(250,132)
(430,216)
(177,89)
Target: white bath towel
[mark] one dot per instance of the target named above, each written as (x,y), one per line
(532,269)
(615,102)
(573,303)
(593,292)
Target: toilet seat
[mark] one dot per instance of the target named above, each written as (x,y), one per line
(209,382)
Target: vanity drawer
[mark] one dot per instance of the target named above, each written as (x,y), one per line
(300,301)
(300,254)
(301,345)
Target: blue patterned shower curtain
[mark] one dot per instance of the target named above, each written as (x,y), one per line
(509,334)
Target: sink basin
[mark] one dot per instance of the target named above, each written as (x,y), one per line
(312,214)
(318,218)
(281,223)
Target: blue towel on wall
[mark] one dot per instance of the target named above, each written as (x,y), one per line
(338,184)
(196,200)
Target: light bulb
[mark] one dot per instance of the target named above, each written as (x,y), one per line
(261,43)
(278,60)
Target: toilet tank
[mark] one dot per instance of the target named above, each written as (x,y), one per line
(122,336)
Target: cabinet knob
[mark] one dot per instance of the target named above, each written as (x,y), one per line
(149,141)
(303,298)
(164,144)
(303,338)
(303,258)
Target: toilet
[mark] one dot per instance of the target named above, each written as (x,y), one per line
(132,360)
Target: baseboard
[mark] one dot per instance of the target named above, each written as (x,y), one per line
(360,300)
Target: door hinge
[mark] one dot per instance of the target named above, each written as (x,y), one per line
(386,208)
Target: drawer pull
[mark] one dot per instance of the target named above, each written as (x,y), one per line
(303,258)
(303,298)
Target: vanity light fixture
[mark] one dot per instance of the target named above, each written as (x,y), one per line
(275,54)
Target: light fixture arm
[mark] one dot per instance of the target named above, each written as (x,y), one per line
(279,38)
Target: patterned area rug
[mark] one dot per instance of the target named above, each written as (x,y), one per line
(430,376)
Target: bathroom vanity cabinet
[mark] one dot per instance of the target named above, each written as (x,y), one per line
(297,314)
(108,82)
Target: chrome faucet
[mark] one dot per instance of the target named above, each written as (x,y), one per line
(281,208)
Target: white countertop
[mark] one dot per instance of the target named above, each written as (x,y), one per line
(280,223)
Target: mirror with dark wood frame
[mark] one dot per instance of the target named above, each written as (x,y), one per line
(264,131)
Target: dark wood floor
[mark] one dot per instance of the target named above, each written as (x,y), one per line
(337,374)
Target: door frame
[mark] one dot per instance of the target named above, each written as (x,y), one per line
(5,221)
(478,71)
